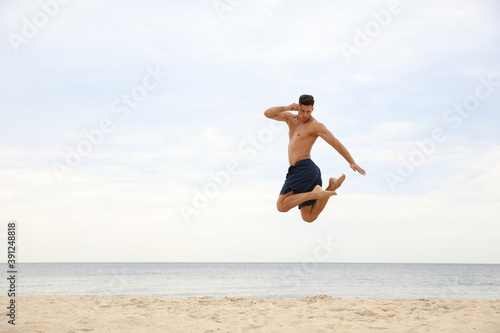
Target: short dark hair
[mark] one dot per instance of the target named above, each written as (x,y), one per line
(306,100)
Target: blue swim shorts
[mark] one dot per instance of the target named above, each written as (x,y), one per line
(302,177)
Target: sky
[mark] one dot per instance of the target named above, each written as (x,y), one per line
(135,132)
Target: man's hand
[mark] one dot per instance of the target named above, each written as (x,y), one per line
(292,107)
(357,168)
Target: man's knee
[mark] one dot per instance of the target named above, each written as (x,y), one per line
(308,216)
(309,219)
(281,207)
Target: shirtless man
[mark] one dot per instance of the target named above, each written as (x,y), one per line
(303,181)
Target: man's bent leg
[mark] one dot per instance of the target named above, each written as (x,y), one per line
(289,200)
(311,213)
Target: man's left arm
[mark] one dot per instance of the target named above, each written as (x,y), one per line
(326,135)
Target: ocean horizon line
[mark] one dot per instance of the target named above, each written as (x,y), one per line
(256,262)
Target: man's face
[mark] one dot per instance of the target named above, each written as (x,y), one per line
(305,112)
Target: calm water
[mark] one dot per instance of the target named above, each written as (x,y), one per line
(452,281)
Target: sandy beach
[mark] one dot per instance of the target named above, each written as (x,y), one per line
(312,314)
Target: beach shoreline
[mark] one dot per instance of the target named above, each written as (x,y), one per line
(235,314)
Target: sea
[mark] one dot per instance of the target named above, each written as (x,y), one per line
(258,280)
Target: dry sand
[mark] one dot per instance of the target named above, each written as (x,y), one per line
(312,314)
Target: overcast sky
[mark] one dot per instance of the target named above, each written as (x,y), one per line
(134,131)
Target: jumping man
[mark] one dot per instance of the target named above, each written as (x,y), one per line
(303,181)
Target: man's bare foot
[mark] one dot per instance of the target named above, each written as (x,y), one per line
(322,194)
(335,183)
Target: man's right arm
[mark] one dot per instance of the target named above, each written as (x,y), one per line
(280,112)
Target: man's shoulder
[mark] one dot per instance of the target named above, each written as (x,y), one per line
(316,124)
(319,128)
(319,124)
(291,119)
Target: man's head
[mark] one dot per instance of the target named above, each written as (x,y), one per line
(306,103)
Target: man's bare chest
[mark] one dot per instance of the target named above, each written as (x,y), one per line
(301,131)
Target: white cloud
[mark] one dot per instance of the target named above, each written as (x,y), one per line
(145,138)
(392,130)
